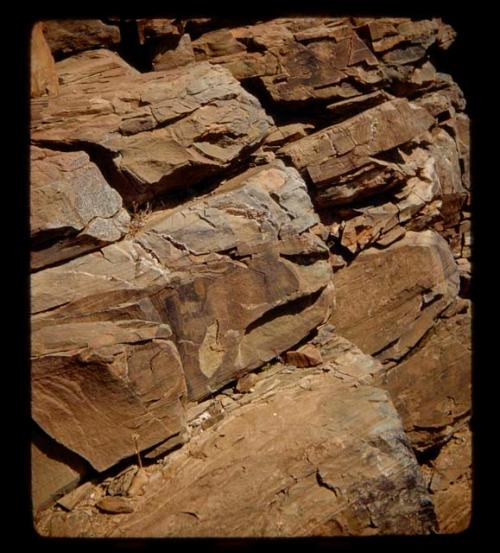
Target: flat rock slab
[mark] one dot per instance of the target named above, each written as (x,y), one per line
(339,465)
(386,300)
(153,132)
(135,327)
(54,470)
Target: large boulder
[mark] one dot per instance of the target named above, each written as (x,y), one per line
(341,160)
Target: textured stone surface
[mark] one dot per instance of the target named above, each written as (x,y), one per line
(54,470)
(168,58)
(95,384)
(451,481)
(318,59)
(44,79)
(305,356)
(432,387)
(387,299)
(69,36)
(158,28)
(154,131)
(202,329)
(340,160)
(72,207)
(270,469)
(101,326)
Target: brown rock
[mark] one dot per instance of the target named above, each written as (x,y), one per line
(451,483)
(295,59)
(158,28)
(102,323)
(72,207)
(68,36)
(73,498)
(288,133)
(181,54)
(115,505)
(291,477)
(102,364)
(387,299)
(344,360)
(339,159)
(246,383)
(155,131)
(54,470)
(166,446)
(304,60)
(120,484)
(431,388)
(389,33)
(44,79)
(139,481)
(306,356)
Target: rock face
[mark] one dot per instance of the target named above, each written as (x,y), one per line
(251,268)
(325,59)
(339,160)
(293,476)
(155,132)
(450,483)
(53,470)
(402,289)
(432,388)
(98,319)
(73,209)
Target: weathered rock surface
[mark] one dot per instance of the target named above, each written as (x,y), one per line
(158,28)
(154,131)
(306,356)
(184,244)
(450,483)
(95,384)
(102,323)
(44,79)
(340,160)
(270,469)
(325,59)
(72,207)
(387,299)
(69,36)
(432,387)
(181,54)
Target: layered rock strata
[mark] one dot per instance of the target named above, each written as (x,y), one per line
(251,266)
